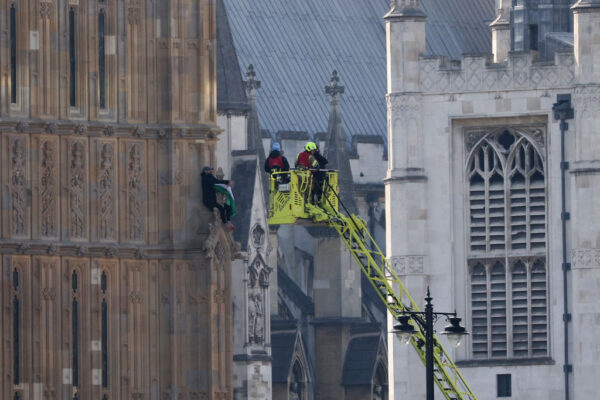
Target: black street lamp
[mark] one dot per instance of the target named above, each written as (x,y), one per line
(425,320)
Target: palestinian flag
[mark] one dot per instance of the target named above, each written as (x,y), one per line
(229,199)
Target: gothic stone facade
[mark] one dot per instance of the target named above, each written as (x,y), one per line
(473,197)
(115,279)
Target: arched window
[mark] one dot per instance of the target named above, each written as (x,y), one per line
(507,230)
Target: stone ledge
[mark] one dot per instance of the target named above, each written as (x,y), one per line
(506,362)
(587,167)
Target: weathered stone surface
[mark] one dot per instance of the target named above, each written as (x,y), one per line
(116,280)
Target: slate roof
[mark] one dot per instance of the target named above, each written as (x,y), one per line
(230,90)
(295,45)
(243,172)
(359,365)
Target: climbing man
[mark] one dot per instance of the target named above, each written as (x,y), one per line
(209,194)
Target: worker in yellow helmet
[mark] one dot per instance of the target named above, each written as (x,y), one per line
(311,158)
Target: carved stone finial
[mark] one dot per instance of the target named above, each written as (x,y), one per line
(334,89)
(404,8)
(252,85)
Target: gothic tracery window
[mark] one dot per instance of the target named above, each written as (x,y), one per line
(507,245)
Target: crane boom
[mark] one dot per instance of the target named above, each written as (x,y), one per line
(288,205)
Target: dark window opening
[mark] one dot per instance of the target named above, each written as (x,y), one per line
(16,340)
(16,319)
(13,54)
(533,37)
(102,59)
(75,330)
(72,58)
(504,385)
(104,328)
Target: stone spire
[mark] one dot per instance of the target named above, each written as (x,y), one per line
(252,85)
(254,137)
(336,149)
(501,32)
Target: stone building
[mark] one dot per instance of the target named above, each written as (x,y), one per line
(116,281)
(501,226)
(327,327)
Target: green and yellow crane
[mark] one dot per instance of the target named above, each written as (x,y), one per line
(289,203)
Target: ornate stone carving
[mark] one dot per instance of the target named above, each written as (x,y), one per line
(48,190)
(105,192)
(76,189)
(408,264)
(585,258)
(51,250)
(80,129)
(46,10)
(135,297)
(22,127)
(108,130)
(473,74)
(138,132)
(586,98)
(22,248)
(133,15)
(110,252)
(135,197)
(258,235)
(472,137)
(17,190)
(51,127)
(256,318)
(139,253)
(219,251)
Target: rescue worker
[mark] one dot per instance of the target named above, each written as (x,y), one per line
(276,161)
(306,158)
(312,159)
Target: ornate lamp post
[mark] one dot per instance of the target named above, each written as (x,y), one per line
(425,320)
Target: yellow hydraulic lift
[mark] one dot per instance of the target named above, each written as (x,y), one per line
(288,204)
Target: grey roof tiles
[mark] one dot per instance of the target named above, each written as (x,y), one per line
(294,46)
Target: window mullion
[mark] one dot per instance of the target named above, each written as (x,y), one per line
(529,265)
(488,277)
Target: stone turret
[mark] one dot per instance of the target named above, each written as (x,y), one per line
(406,182)
(584,193)
(405,42)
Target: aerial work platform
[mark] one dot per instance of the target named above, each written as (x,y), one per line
(292,201)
